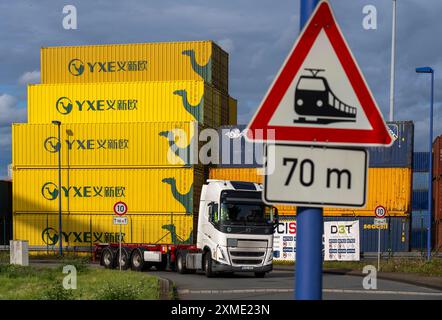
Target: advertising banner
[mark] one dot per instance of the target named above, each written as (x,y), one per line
(341,241)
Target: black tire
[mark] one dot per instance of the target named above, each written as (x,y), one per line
(260,274)
(108,258)
(208,265)
(137,261)
(181,263)
(124,259)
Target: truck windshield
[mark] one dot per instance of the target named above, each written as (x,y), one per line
(245,213)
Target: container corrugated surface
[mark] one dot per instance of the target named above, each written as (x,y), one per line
(437,157)
(395,238)
(437,198)
(103,145)
(236,151)
(154,190)
(81,231)
(169,61)
(420,180)
(420,162)
(390,187)
(233,112)
(400,153)
(124,102)
(420,200)
(419,229)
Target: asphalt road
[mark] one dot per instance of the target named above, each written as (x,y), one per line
(278,285)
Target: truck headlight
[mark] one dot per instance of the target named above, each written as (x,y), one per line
(220,254)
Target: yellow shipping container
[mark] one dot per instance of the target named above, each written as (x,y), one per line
(82,231)
(153,190)
(125,102)
(103,145)
(233,111)
(389,187)
(169,61)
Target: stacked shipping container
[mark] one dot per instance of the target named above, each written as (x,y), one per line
(389,183)
(437,193)
(129,114)
(420,214)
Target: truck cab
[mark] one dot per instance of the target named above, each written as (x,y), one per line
(235,228)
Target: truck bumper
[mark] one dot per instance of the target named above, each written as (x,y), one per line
(218,267)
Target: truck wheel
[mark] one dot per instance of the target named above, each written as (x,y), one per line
(123,260)
(137,260)
(108,258)
(181,264)
(260,274)
(208,265)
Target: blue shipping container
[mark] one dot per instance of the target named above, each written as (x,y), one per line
(421,161)
(235,151)
(400,154)
(420,181)
(419,200)
(419,229)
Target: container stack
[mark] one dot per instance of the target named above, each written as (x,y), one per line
(128,115)
(389,184)
(437,194)
(420,213)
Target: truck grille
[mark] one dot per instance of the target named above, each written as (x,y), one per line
(246,254)
(250,257)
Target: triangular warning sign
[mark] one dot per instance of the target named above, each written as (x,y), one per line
(320,95)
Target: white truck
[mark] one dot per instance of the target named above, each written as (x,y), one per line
(235,234)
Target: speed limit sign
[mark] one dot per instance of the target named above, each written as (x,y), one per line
(120,208)
(380,211)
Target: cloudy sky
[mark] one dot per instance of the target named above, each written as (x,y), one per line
(258,35)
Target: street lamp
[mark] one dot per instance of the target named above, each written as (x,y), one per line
(60,241)
(430,174)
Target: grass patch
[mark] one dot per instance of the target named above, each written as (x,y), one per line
(419,266)
(44,283)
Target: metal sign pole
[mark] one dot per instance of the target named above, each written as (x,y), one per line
(379,247)
(119,260)
(309,222)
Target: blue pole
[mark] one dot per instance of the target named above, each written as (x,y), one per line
(430,176)
(309,225)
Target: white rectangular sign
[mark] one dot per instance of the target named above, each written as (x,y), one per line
(341,241)
(315,176)
(284,241)
(380,221)
(120,220)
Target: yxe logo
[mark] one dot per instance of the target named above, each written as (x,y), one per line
(64,105)
(50,237)
(50,191)
(52,145)
(77,67)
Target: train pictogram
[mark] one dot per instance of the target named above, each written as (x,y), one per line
(315,102)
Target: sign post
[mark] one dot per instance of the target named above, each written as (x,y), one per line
(380,221)
(318,103)
(120,209)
